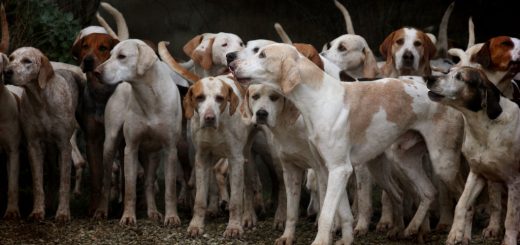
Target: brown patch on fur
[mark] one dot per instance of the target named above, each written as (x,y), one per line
(96,46)
(189,102)
(310,52)
(366,99)
(495,54)
(438,116)
(229,95)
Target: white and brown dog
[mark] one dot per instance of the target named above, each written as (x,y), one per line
(491,144)
(351,127)
(147,109)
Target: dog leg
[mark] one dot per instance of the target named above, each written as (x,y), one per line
(94,135)
(346,218)
(249,216)
(474,185)
(170,192)
(79,163)
(364,199)
(281,205)
(108,160)
(202,174)
(234,227)
(150,173)
(36,160)
(220,170)
(292,178)
(512,217)
(386,221)
(13,171)
(63,213)
(495,210)
(130,170)
(445,207)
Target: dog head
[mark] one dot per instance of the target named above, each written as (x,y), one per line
(500,54)
(351,53)
(466,89)
(252,47)
(28,65)
(409,51)
(93,49)
(262,105)
(210,49)
(129,60)
(209,98)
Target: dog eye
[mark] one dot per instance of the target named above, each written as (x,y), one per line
(255,96)
(102,48)
(417,44)
(261,55)
(26,61)
(241,44)
(507,44)
(121,56)
(274,97)
(200,98)
(342,48)
(224,45)
(255,50)
(400,41)
(219,98)
(85,46)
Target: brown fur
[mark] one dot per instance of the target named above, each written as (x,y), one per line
(495,54)
(310,52)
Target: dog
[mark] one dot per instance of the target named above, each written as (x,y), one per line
(217,132)
(491,142)
(407,51)
(47,111)
(340,139)
(208,52)
(150,121)
(91,48)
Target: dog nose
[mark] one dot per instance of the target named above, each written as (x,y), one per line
(262,114)
(8,74)
(88,63)
(230,57)
(209,118)
(408,56)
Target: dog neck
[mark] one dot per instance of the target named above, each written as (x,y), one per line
(501,79)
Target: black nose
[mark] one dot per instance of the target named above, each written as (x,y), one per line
(230,57)
(8,75)
(88,64)
(262,114)
(408,56)
(209,119)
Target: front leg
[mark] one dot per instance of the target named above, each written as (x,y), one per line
(364,199)
(36,160)
(292,176)
(474,185)
(109,150)
(13,170)
(512,223)
(495,210)
(234,227)
(150,173)
(202,173)
(170,192)
(130,171)
(63,213)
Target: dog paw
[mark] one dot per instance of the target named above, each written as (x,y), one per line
(233,231)
(154,215)
(62,216)
(284,240)
(100,214)
(491,232)
(12,214)
(360,231)
(279,224)
(172,220)
(411,231)
(37,215)
(128,220)
(195,231)
(394,233)
(456,237)
(249,220)
(383,226)
(347,241)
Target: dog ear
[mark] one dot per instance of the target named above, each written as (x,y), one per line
(187,102)
(491,100)
(146,58)
(46,71)
(370,69)
(483,56)
(245,108)
(233,100)
(310,52)
(5,61)
(289,112)
(113,43)
(386,47)
(191,45)
(290,75)
(76,48)
(200,50)
(429,47)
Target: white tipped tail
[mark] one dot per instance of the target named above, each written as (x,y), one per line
(122,28)
(4,45)
(176,67)
(346,15)
(442,42)
(471,30)
(281,32)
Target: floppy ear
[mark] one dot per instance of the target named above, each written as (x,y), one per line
(191,45)
(492,100)
(204,57)
(245,109)
(289,112)
(290,75)
(5,61)
(370,65)
(113,43)
(46,71)
(310,52)
(483,56)
(233,101)
(187,102)
(386,47)
(429,47)
(146,58)
(76,48)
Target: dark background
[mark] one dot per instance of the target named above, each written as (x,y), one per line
(313,21)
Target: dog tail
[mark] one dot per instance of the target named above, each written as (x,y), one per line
(346,15)
(471,30)
(442,43)
(4,44)
(281,32)
(105,25)
(122,27)
(176,67)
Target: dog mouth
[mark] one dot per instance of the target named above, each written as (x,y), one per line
(435,96)
(240,79)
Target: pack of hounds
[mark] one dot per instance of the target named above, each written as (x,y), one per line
(430,133)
